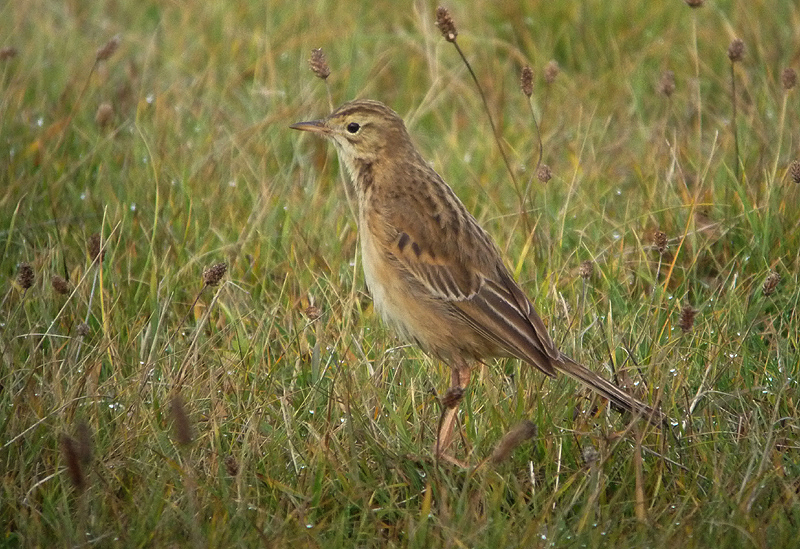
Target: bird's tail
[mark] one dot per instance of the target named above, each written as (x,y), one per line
(610,391)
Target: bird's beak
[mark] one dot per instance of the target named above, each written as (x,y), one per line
(315,126)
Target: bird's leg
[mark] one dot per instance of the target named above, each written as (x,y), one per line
(459,379)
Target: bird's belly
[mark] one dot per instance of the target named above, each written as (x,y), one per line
(392,297)
(414,315)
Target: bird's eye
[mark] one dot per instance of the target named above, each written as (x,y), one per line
(353,127)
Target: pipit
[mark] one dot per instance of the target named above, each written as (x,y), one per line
(435,275)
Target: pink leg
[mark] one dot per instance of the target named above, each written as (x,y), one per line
(459,380)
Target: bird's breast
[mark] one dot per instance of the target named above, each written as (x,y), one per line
(407,308)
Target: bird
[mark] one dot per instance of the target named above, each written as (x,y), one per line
(435,275)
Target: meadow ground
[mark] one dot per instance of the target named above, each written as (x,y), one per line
(143,403)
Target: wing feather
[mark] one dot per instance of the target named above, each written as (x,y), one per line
(488,300)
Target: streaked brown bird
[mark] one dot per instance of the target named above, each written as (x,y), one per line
(434,274)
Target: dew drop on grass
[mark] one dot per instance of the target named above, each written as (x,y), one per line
(150,98)
(232,183)
(133,206)
(40,121)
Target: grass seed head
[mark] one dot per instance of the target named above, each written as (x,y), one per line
(108,49)
(70,453)
(212,275)
(318,64)
(8,52)
(446,24)
(312,312)
(524,430)
(667,83)
(83,439)
(60,284)
(96,250)
(589,454)
(770,283)
(526,80)
(794,171)
(104,115)
(181,426)
(25,275)
(83,329)
(789,78)
(551,71)
(687,318)
(231,466)
(660,241)
(736,50)
(544,173)
(586,270)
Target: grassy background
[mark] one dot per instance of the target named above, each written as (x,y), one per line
(310,425)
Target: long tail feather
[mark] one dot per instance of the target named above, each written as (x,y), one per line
(610,391)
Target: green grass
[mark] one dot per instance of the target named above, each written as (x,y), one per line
(312,432)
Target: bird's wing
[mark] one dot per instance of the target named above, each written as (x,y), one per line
(454,260)
(501,312)
(443,275)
